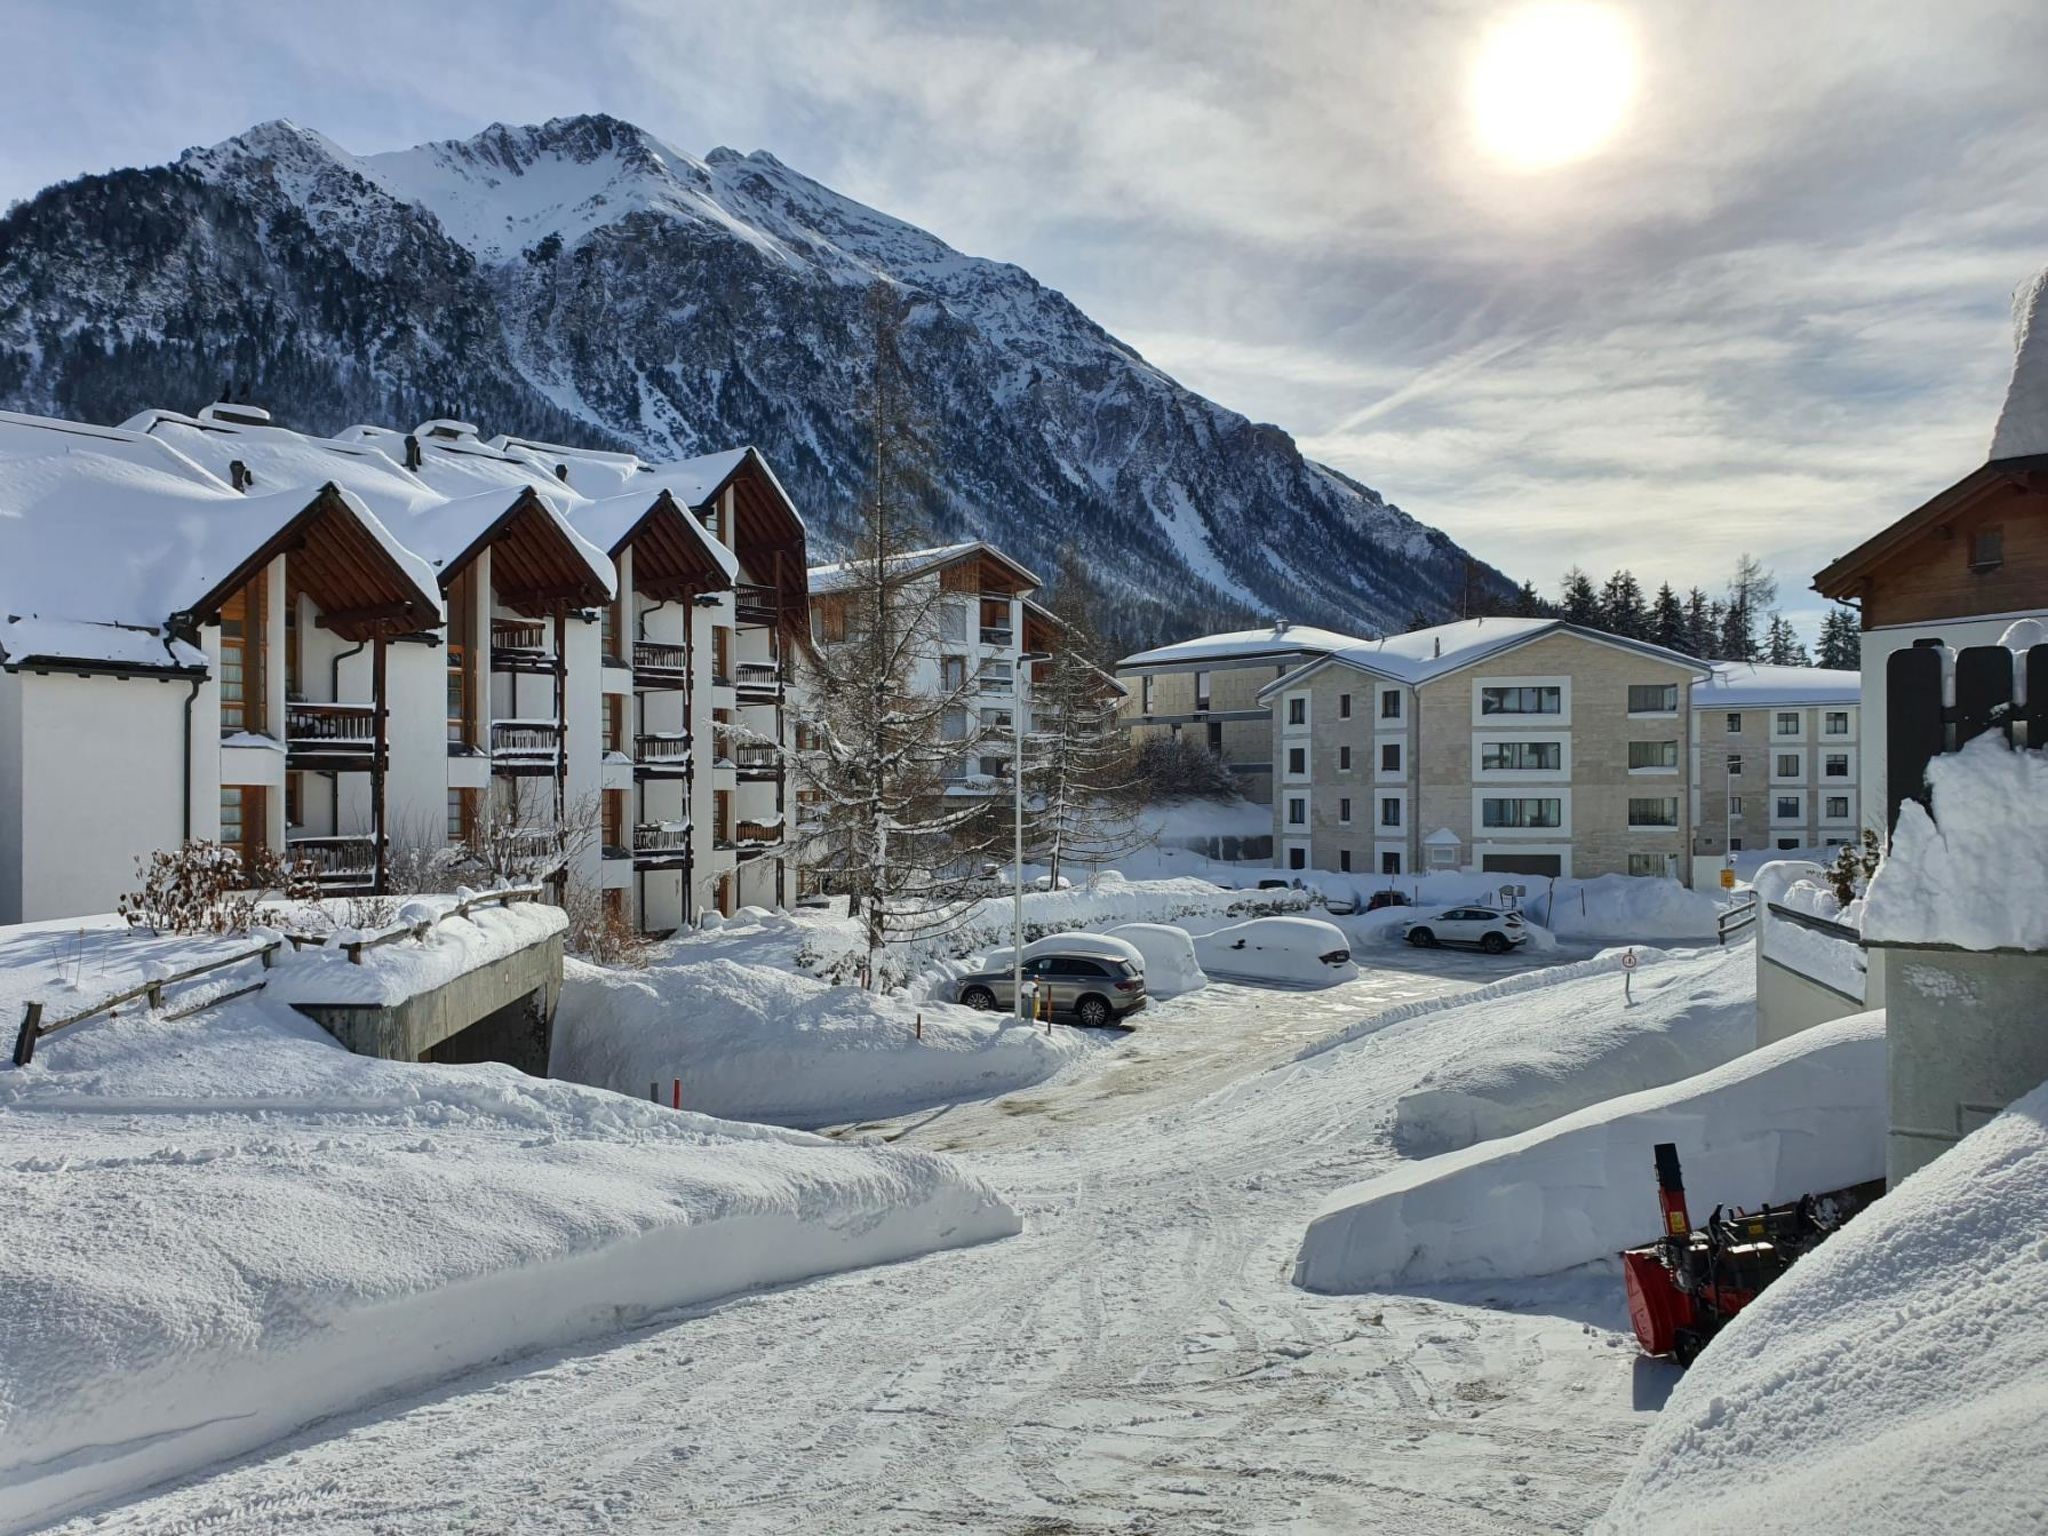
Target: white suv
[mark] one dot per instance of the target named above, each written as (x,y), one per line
(1481,927)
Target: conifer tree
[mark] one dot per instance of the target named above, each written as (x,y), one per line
(1841,642)
(1621,606)
(1580,603)
(1667,621)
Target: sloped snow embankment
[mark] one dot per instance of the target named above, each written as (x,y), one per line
(1895,1382)
(754,1042)
(1578,1042)
(1808,1113)
(221,1228)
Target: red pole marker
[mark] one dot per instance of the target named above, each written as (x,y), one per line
(678,1095)
(920,1026)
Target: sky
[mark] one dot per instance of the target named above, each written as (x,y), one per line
(1767,310)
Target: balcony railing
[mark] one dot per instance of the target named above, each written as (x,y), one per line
(313,726)
(756,760)
(997,687)
(665,752)
(337,863)
(998,634)
(757,676)
(658,839)
(655,659)
(526,746)
(755,603)
(518,645)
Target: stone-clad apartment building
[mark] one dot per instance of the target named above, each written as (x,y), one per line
(1520,746)
(1778,760)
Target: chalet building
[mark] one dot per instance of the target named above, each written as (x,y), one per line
(1512,746)
(986,625)
(1210,688)
(1777,761)
(349,729)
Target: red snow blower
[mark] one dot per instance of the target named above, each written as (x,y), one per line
(1683,1288)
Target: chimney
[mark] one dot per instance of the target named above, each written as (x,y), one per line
(239,476)
(1280,626)
(562,473)
(1439,646)
(412,452)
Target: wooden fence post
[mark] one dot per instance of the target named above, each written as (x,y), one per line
(25,1042)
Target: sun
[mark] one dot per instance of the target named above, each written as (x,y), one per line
(1552,82)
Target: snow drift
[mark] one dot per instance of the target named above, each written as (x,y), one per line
(1170,964)
(1807,1113)
(1895,1382)
(1577,1043)
(221,1228)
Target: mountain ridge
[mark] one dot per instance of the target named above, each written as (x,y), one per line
(583,280)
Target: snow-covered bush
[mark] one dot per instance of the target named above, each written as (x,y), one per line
(205,887)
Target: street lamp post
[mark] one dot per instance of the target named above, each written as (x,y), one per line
(1024,660)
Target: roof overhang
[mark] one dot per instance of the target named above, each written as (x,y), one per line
(768,535)
(1840,579)
(538,566)
(670,560)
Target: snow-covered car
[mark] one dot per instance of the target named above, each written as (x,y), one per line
(1094,989)
(1171,967)
(1290,951)
(1476,927)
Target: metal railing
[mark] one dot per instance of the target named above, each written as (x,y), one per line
(659,656)
(525,737)
(347,859)
(518,635)
(997,634)
(1736,918)
(317,725)
(751,755)
(661,837)
(756,674)
(33,1027)
(662,749)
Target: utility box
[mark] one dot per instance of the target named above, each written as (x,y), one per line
(1967,1034)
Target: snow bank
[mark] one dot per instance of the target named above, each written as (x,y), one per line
(1560,1048)
(221,1228)
(1620,908)
(1171,968)
(1934,887)
(755,1041)
(1807,1113)
(1896,1381)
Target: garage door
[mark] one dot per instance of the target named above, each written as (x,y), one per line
(1522,863)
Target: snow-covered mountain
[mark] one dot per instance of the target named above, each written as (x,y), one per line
(585,282)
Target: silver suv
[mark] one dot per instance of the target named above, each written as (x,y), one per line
(1092,989)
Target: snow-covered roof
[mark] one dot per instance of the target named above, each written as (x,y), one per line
(1442,837)
(842,574)
(444,531)
(280,459)
(1425,654)
(1275,640)
(1758,685)
(606,523)
(2022,427)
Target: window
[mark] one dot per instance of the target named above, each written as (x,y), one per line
(241,661)
(953,725)
(1521,813)
(1735,845)
(458,694)
(1661,812)
(953,622)
(1297,858)
(1788,842)
(1343,759)
(1297,759)
(1390,703)
(611,833)
(1838,807)
(1788,765)
(1788,722)
(1987,548)
(1390,757)
(1521,755)
(614,723)
(1837,722)
(1343,706)
(1297,811)
(1735,805)
(1144,690)
(1788,807)
(832,623)
(1735,765)
(1653,754)
(1647,865)
(461,815)
(1652,698)
(1344,860)
(1201,690)
(1216,737)
(1344,810)
(953,677)
(242,822)
(1836,766)
(1734,723)
(1297,711)
(1390,863)
(1541,700)
(1390,813)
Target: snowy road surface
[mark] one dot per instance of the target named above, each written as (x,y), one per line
(1135,1361)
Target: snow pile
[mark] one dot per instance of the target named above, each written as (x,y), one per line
(2023,421)
(755,1040)
(1620,908)
(220,1228)
(1805,1114)
(1559,1048)
(1896,1381)
(1288,951)
(393,972)
(1169,955)
(1108,946)
(1935,885)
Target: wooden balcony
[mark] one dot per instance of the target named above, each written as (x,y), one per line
(752,839)
(756,762)
(342,866)
(658,665)
(661,844)
(757,682)
(665,755)
(755,605)
(525,747)
(339,737)
(998,635)
(520,646)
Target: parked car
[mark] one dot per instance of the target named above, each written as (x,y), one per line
(1094,990)
(1170,964)
(1389,898)
(1293,951)
(1476,927)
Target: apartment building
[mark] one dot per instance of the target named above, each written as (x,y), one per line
(387,639)
(985,625)
(1517,746)
(1777,761)
(1210,688)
